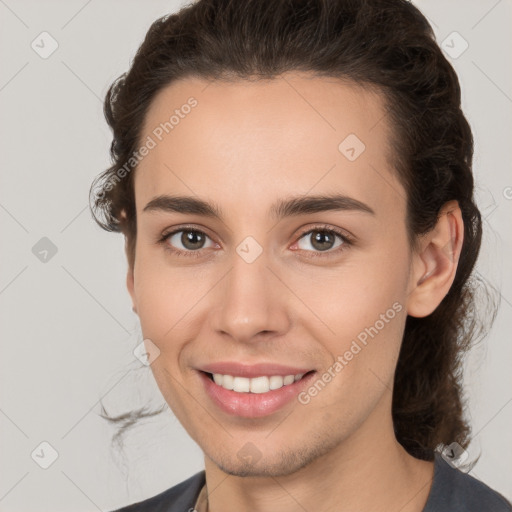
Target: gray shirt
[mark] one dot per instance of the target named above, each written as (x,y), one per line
(452,491)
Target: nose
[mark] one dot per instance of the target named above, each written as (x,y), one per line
(250,302)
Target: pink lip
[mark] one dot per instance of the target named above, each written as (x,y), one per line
(253,370)
(253,405)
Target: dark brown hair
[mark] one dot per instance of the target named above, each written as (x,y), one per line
(386,45)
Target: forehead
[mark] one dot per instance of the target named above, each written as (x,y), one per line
(246,140)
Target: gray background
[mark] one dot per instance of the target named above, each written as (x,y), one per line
(67,329)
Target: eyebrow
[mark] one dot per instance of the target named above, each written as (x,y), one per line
(294,206)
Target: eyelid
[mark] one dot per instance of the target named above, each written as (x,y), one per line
(343,233)
(185,227)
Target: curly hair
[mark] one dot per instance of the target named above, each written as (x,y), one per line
(386,45)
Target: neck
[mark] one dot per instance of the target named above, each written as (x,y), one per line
(367,471)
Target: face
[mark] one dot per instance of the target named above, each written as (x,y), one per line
(277,315)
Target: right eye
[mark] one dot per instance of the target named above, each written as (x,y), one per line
(185,241)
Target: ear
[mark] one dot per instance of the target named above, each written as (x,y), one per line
(130,286)
(130,281)
(435,262)
(131,263)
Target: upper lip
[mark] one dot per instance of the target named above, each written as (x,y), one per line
(253,370)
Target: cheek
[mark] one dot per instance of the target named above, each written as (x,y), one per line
(351,297)
(165,305)
(362,311)
(158,303)
(168,301)
(362,355)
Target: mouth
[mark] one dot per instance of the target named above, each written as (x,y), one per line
(256,396)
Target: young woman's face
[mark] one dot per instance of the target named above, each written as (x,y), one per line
(265,290)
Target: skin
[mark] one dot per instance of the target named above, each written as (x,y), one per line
(244,146)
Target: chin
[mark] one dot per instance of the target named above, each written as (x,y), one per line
(278,464)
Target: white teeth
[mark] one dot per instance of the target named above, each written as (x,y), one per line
(241,385)
(276,382)
(228,381)
(260,385)
(289,379)
(255,385)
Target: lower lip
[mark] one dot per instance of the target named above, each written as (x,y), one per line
(253,405)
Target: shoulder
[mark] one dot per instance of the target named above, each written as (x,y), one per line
(181,497)
(454,490)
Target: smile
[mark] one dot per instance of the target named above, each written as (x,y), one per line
(253,391)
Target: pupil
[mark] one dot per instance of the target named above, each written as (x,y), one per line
(322,240)
(192,240)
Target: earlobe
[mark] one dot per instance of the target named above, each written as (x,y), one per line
(129,275)
(435,264)
(131,288)
(130,285)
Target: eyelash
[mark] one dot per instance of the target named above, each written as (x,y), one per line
(347,241)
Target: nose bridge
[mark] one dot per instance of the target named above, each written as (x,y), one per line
(248,302)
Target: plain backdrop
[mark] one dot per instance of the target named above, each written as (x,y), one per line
(67,328)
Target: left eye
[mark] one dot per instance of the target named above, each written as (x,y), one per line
(321,240)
